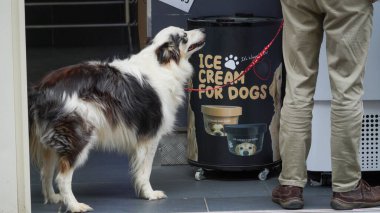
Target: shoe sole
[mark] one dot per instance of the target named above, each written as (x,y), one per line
(342,205)
(290,204)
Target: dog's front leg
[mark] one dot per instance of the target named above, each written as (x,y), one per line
(141,168)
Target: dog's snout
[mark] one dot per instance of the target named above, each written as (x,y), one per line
(245,153)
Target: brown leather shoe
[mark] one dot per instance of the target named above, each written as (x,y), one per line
(363,196)
(288,197)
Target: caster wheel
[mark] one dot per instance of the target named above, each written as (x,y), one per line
(199,175)
(264,174)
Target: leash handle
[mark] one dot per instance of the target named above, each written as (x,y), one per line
(256,60)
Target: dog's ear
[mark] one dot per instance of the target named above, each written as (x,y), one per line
(169,51)
(254,148)
(237,149)
(211,126)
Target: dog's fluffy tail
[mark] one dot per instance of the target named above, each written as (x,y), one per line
(35,146)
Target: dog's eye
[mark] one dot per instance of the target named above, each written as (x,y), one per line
(250,147)
(241,148)
(222,129)
(185,35)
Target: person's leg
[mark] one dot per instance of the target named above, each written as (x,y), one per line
(302,39)
(348,26)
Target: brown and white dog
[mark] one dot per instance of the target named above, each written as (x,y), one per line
(124,105)
(274,127)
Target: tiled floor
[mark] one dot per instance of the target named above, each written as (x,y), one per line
(104,184)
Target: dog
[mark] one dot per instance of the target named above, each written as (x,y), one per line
(192,146)
(216,129)
(245,149)
(121,105)
(274,127)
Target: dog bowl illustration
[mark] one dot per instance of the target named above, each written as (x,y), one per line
(245,139)
(216,116)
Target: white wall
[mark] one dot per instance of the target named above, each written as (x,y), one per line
(8,180)
(14,163)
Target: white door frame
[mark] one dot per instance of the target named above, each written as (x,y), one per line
(14,144)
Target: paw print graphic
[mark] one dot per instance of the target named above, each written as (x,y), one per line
(231,62)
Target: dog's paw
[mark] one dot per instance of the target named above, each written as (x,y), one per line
(156,195)
(53,199)
(79,207)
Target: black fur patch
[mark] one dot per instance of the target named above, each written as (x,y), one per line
(67,132)
(123,97)
(71,135)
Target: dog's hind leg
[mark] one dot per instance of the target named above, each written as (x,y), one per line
(47,173)
(71,138)
(141,168)
(64,179)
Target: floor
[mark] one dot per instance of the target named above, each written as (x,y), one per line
(104,184)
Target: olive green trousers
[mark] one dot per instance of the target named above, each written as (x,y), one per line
(347,25)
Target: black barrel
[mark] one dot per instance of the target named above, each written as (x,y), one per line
(235,127)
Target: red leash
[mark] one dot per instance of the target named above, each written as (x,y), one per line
(248,68)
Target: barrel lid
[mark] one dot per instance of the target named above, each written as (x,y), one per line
(237,20)
(243,129)
(221,111)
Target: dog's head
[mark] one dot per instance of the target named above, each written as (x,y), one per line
(245,149)
(216,129)
(175,44)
